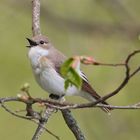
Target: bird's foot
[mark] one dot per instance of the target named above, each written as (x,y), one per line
(56,97)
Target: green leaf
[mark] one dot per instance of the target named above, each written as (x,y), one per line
(66,66)
(70,74)
(66,84)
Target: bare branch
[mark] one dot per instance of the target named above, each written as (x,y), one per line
(36,17)
(126,79)
(30,118)
(47,113)
(90,105)
(60,106)
(39,124)
(135,72)
(3,100)
(72,124)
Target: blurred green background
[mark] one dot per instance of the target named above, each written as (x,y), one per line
(108,30)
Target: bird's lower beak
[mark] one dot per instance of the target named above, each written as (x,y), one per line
(31,42)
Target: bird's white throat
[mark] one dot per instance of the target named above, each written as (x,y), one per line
(35,53)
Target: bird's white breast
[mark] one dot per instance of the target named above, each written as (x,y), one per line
(35,53)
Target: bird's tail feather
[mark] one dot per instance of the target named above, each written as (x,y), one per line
(92,99)
(106,109)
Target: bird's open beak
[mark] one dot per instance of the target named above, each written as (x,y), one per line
(31,42)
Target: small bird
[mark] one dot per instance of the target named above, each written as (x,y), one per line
(46,62)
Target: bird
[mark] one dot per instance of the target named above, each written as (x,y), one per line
(46,62)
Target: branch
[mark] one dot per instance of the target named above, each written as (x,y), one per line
(36,17)
(128,76)
(46,130)
(33,118)
(48,112)
(72,124)
(91,105)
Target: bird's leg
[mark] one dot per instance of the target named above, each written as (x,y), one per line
(55,97)
(61,98)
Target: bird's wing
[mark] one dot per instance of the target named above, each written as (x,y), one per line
(58,60)
(87,87)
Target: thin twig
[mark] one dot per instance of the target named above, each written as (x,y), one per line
(134,72)
(13,113)
(47,130)
(47,113)
(105,64)
(30,118)
(126,79)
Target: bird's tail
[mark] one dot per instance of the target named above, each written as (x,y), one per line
(106,109)
(91,98)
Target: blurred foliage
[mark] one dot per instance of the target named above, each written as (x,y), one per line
(105,29)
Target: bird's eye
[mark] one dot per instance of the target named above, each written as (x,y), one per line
(42,42)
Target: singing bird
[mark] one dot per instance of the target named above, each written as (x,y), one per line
(46,62)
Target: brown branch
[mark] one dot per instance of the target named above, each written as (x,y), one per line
(126,79)
(135,72)
(112,65)
(3,100)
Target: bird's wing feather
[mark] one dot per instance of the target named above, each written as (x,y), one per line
(87,87)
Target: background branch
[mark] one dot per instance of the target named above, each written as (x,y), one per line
(129,30)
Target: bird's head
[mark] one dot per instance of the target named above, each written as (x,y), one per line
(39,46)
(39,41)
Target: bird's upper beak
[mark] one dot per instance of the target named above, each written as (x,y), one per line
(31,42)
